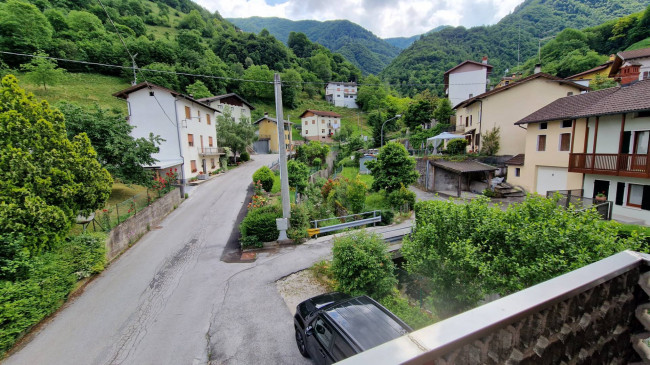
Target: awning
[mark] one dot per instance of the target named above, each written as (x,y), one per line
(445,136)
(470,131)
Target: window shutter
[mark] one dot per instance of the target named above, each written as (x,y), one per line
(645,203)
(207,118)
(188,114)
(620,191)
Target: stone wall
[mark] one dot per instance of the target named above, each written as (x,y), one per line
(421,167)
(593,327)
(133,228)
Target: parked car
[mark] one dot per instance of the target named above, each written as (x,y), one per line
(331,327)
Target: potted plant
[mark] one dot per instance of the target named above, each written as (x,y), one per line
(202,175)
(601,197)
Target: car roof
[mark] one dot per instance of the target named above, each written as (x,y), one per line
(365,322)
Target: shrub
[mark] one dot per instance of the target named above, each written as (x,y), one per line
(361,264)
(251,241)
(473,249)
(387,217)
(244,156)
(413,316)
(260,222)
(51,277)
(402,198)
(265,176)
(392,168)
(298,175)
(457,147)
(299,222)
(317,162)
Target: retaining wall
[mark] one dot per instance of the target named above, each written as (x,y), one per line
(133,228)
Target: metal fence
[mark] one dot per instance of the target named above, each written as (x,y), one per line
(114,214)
(573,198)
(344,222)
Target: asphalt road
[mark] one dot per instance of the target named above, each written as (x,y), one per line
(171,300)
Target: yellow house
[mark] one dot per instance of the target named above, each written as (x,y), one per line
(502,107)
(268,130)
(585,77)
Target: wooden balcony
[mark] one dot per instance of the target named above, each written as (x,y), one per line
(630,165)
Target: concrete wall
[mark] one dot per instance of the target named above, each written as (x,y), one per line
(467,81)
(133,228)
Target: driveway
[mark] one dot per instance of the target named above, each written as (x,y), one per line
(171,300)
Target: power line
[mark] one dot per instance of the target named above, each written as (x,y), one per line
(142,70)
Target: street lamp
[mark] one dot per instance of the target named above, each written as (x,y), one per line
(382,127)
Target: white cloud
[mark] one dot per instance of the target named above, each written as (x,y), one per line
(385,18)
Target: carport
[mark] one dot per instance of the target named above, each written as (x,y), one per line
(448,175)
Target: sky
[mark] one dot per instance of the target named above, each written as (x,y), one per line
(385,18)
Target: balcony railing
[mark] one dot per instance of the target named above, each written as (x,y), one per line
(210,151)
(632,165)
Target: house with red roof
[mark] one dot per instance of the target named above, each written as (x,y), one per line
(319,125)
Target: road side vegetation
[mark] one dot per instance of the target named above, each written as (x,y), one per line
(468,251)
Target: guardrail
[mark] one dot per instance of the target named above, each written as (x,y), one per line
(376,218)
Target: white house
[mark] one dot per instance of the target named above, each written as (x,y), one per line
(466,80)
(630,66)
(187,126)
(342,94)
(319,125)
(239,107)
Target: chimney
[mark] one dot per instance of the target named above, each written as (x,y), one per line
(484,60)
(538,68)
(266,114)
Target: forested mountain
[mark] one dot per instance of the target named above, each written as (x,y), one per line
(360,46)
(512,40)
(404,42)
(167,35)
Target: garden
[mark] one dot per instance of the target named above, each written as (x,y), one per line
(347,194)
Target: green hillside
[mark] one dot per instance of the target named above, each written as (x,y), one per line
(404,42)
(513,38)
(361,47)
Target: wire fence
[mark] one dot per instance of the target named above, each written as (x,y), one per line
(114,214)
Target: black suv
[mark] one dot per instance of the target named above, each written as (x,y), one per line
(334,326)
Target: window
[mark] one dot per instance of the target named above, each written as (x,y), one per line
(641,142)
(466,121)
(322,131)
(306,122)
(212,163)
(322,121)
(635,195)
(517,171)
(471,95)
(198,113)
(210,141)
(541,142)
(207,119)
(567,123)
(188,113)
(313,122)
(543,125)
(569,93)
(477,139)
(565,141)
(190,140)
(306,132)
(193,165)
(470,120)
(646,75)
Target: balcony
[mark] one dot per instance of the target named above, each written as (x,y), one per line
(210,151)
(630,165)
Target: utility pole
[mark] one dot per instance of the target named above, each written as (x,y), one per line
(282,223)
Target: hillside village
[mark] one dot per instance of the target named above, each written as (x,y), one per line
(176,189)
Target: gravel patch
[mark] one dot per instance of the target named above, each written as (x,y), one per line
(298,287)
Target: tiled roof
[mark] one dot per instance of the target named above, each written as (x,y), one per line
(460,167)
(274,120)
(321,113)
(515,84)
(637,53)
(219,97)
(123,94)
(595,69)
(615,100)
(517,160)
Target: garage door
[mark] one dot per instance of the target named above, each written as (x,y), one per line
(551,178)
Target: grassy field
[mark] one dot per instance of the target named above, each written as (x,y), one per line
(122,192)
(352,172)
(82,88)
(639,45)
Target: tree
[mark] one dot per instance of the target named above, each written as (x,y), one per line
(392,168)
(372,94)
(320,65)
(291,87)
(193,20)
(312,150)
(198,90)
(490,143)
(601,82)
(117,151)
(45,178)
(236,136)
(298,175)
(421,111)
(23,28)
(42,71)
(300,44)
(262,89)
(443,111)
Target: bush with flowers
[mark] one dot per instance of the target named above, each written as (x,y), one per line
(165,184)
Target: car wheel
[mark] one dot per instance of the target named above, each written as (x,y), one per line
(300,341)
